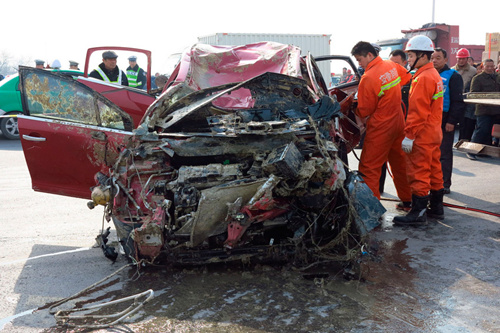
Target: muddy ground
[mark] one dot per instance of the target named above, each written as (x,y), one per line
(444,277)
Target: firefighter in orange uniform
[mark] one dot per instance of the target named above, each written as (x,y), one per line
(379,100)
(423,135)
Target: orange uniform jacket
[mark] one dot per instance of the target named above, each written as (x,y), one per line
(379,99)
(423,124)
(375,84)
(426,109)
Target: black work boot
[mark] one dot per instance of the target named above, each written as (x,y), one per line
(435,209)
(417,214)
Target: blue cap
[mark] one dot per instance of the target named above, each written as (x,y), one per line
(39,62)
(132,58)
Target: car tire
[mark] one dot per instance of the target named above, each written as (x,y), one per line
(9,128)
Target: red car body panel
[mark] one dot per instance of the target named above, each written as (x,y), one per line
(207,66)
(63,157)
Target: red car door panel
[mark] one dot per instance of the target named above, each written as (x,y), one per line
(63,158)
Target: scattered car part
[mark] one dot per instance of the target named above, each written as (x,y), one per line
(64,317)
(368,207)
(102,241)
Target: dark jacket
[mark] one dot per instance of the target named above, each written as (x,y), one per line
(457,104)
(486,83)
(470,108)
(112,75)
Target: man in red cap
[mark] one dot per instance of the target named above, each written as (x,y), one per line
(468,121)
(348,78)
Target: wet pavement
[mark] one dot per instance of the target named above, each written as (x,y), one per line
(443,277)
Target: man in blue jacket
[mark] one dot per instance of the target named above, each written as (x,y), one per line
(453,111)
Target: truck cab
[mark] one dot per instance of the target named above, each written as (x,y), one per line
(389,45)
(443,35)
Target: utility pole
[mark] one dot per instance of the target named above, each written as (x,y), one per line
(433,7)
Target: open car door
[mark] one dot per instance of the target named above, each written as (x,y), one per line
(346,94)
(69,134)
(147,53)
(134,101)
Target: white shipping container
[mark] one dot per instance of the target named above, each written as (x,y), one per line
(317,44)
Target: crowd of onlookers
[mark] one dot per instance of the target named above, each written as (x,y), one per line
(73,65)
(479,119)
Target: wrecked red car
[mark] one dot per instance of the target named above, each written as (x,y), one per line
(242,157)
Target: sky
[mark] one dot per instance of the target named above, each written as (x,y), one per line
(65,29)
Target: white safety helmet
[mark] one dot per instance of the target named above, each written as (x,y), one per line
(420,43)
(56,64)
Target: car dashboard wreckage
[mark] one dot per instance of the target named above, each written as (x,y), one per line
(242,157)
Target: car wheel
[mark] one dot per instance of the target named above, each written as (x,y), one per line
(9,128)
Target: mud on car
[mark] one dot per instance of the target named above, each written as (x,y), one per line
(242,157)
(10,103)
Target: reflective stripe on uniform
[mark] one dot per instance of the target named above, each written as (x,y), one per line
(106,78)
(389,85)
(132,77)
(439,94)
(103,76)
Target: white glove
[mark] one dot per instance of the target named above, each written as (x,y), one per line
(407,145)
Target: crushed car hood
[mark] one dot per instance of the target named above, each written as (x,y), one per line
(214,71)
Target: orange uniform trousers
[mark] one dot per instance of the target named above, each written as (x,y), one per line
(424,169)
(377,150)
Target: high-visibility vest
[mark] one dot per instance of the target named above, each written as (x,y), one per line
(132,77)
(106,78)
